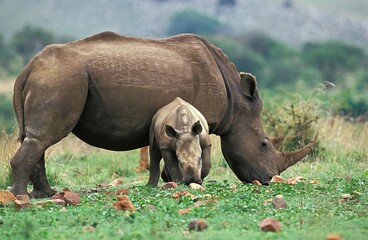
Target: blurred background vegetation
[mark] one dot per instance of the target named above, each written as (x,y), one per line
(329,76)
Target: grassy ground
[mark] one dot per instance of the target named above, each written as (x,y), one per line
(233,210)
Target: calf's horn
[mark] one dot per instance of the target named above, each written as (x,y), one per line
(289,159)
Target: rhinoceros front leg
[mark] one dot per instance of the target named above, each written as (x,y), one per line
(41,187)
(23,164)
(206,162)
(154,167)
(171,168)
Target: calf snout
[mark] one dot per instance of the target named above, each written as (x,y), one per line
(190,180)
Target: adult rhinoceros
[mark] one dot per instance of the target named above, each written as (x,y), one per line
(106,89)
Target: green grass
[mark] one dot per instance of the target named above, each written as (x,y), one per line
(339,164)
(313,213)
(314,209)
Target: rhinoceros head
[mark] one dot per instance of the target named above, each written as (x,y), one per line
(188,151)
(246,147)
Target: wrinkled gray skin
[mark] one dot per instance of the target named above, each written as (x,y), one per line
(179,135)
(106,89)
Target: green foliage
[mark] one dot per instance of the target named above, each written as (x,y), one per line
(7,119)
(192,21)
(294,116)
(30,40)
(232,210)
(334,59)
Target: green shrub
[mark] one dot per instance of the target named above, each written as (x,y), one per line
(192,21)
(28,41)
(7,120)
(293,116)
(334,59)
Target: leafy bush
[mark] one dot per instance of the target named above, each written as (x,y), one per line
(334,59)
(192,21)
(28,41)
(294,117)
(7,120)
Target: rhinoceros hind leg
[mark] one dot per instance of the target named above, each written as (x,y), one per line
(24,162)
(41,187)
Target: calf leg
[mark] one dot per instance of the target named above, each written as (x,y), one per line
(206,162)
(172,166)
(154,167)
(165,175)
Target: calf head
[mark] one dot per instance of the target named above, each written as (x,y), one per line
(247,149)
(188,151)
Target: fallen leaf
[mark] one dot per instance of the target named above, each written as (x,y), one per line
(267,201)
(169,185)
(116,182)
(151,207)
(196,186)
(270,225)
(314,181)
(293,180)
(279,202)
(184,211)
(277,178)
(6,197)
(183,193)
(256,182)
(185,233)
(197,225)
(345,197)
(122,191)
(89,228)
(333,236)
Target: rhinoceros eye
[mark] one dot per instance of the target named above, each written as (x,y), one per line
(264,145)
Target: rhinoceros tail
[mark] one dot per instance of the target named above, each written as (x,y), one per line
(18,98)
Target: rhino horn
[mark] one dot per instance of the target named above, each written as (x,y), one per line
(289,159)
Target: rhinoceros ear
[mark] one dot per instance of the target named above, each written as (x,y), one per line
(248,85)
(197,128)
(171,132)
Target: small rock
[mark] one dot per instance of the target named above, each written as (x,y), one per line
(279,202)
(22,198)
(169,185)
(71,198)
(19,204)
(196,186)
(123,203)
(6,197)
(270,225)
(197,225)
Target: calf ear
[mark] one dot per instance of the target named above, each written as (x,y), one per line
(197,128)
(248,85)
(171,132)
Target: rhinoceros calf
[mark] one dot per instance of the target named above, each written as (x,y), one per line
(179,134)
